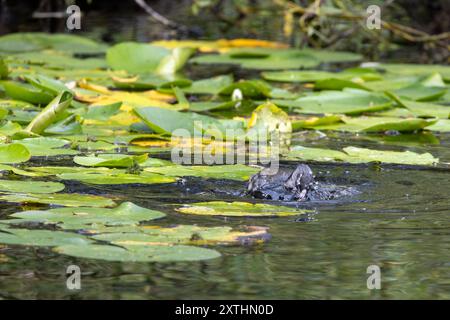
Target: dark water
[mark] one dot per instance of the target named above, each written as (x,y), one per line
(399,221)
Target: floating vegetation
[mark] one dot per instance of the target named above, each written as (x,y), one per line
(101,116)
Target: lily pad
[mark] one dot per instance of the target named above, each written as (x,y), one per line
(117,177)
(233,172)
(110,160)
(349,102)
(239,209)
(83,218)
(30,186)
(14,153)
(361,155)
(139,253)
(141,58)
(44,238)
(60,199)
(183,234)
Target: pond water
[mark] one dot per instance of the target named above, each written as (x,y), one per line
(399,221)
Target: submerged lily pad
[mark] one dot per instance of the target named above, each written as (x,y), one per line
(239,209)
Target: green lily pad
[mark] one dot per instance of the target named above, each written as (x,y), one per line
(349,102)
(14,153)
(361,155)
(46,146)
(116,177)
(81,218)
(233,172)
(139,253)
(44,238)
(26,92)
(166,121)
(30,186)
(182,234)
(239,209)
(35,41)
(60,199)
(102,113)
(141,58)
(110,160)
(378,124)
(210,85)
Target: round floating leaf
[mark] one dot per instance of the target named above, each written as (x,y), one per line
(239,209)
(117,177)
(126,213)
(41,238)
(30,186)
(183,234)
(361,155)
(111,160)
(135,57)
(60,199)
(139,253)
(233,172)
(14,153)
(46,146)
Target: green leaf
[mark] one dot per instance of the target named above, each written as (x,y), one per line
(361,155)
(102,113)
(136,57)
(30,186)
(50,113)
(180,234)
(422,109)
(379,124)
(139,253)
(110,160)
(26,92)
(166,121)
(233,172)
(420,92)
(210,85)
(47,84)
(126,214)
(349,102)
(35,41)
(116,177)
(239,209)
(174,61)
(45,146)
(44,238)
(14,153)
(60,199)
